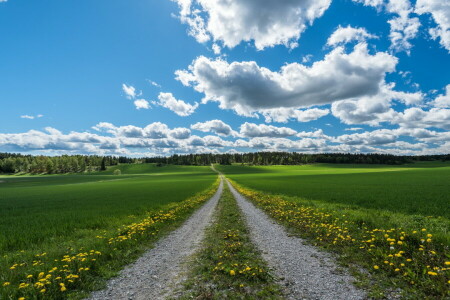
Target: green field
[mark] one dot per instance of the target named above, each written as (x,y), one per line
(37,212)
(422,188)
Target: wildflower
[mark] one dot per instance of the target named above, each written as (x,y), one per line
(43,290)
(447,263)
(432,273)
(232,273)
(376,267)
(6,283)
(30,276)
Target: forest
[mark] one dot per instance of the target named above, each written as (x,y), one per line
(11,163)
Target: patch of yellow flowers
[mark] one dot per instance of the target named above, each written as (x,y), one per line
(412,256)
(46,278)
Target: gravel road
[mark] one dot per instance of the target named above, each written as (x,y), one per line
(155,274)
(305,272)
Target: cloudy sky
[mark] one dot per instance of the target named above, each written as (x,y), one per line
(157,77)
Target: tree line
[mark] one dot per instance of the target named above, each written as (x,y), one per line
(291,158)
(17,163)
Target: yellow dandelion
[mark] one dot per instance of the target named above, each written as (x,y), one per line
(232,273)
(376,267)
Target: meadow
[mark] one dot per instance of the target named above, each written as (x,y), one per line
(392,221)
(55,215)
(421,188)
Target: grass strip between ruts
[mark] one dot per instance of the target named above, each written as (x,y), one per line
(228,266)
(73,272)
(407,261)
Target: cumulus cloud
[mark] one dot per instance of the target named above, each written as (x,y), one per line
(344,35)
(179,107)
(130,91)
(248,88)
(440,11)
(141,104)
(416,117)
(262,130)
(283,115)
(403,27)
(216,126)
(231,22)
(443,101)
(376,109)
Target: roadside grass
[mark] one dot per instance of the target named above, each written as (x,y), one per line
(388,252)
(229,266)
(419,189)
(81,246)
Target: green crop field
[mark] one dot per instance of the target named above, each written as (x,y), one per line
(422,188)
(38,210)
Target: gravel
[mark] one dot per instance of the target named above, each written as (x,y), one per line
(305,272)
(160,270)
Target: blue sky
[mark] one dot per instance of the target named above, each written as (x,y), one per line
(189,76)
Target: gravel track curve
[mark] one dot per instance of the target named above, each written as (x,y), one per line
(305,272)
(157,273)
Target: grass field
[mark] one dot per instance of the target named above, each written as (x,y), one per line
(392,221)
(38,209)
(46,218)
(421,189)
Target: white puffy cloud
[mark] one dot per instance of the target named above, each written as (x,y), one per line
(216,126)
(443,101)
(343,35)
(130,91)
(440,11)
(179,107)
(231,22)
(141,104)
(318,134)
(373,110)
(283,115)
(416,117)
(353,129)
(248,88)
(403,26)
(180,133)
(262,130)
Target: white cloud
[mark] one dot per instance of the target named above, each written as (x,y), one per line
(262,130)
(180,133)
(353,129)
(416,117)
(231,22)
(179,107)
(129,91)
(31,117)
(216,49)
(283,115)
(443,101)
(216,126)
(307,58)
(403,26)
(343,35)
(440,11)
(154,83)
(376,109)
(141,103)
(248,88)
